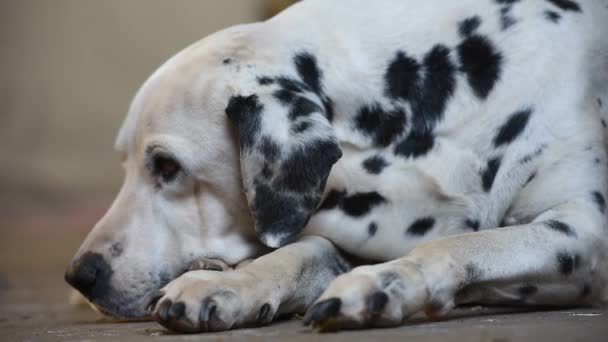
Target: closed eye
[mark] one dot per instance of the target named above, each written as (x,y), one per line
(165,168)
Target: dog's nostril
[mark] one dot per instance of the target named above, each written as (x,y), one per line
(88,271)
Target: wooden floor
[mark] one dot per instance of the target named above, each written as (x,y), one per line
(34,250)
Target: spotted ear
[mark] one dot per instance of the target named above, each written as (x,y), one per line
(287,152)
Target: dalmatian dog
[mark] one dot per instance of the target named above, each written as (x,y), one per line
(362,162)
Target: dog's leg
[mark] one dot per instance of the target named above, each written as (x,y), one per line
(285,281)
(563,246)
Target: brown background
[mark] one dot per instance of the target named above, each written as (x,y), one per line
(68,69)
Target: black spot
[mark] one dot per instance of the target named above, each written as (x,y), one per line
(566,263)
(511,129)
(599,102)
(489,174)
(421,226)
(308,166)
(375,164)
(468,26)
(303,107)
(427,86)
(116,249)
(389,278)
(527,291)
(244,113)
(599,199)
(531,178)
(306,65)
(529,157)
(301,127)
(359,204)
(284,96)
(282,206)
(506,2)
(604,123)
(328,104)
(269,149)
(552,16)
(332,199)
(265,80)
(566,5)
(311,76)
(481,63)
(561,227)
(381,125)
(429,101)
(279,214)
(291,85)
(506,18)
(372,229)
(226,61)
(416,144)
(472,224)
(267,171)
(402,77)
(473,273)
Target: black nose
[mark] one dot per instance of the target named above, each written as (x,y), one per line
(90,274)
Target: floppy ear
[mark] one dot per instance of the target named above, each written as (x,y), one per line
(288,148)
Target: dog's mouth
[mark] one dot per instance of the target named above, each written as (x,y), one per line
(120,318)
(133,301)
(121,307)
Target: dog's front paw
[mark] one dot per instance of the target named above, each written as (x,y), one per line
(369,296)
(202,301)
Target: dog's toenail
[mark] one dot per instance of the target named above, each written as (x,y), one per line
(263,314)
(177,310)
(163,310)
(207,311)
(154,300)
(323,310)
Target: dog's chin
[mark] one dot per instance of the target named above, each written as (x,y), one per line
(134,316)
(119,305)
(120,312)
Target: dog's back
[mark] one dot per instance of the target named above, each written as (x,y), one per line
(460,72)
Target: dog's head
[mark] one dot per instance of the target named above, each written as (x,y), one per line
(219,154)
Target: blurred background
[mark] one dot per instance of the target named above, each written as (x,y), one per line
(68,70)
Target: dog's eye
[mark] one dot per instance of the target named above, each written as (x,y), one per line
(165,167)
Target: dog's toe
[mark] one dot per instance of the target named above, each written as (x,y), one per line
(172,315)
(154,300)
(203,301)
(322,311)
(209,317)
(368,297)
